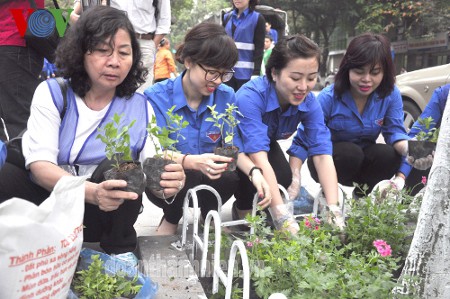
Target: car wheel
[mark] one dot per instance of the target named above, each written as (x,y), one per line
(411,113)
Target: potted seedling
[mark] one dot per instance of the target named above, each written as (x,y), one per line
(426,139)
(164,139)
(226,122)
(118,151)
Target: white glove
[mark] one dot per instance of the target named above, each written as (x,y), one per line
(421,163)
(283,218)
(398,183)
(402,147)
(294,188)
(335,217)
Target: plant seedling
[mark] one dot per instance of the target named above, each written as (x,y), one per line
(94,283)
(175,124)
(117,140)
(226,118)
(425,133)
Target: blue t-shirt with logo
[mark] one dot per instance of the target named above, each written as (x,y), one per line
(380,115)
(263,121)
(200,136)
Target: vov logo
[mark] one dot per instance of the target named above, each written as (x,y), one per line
(41,22)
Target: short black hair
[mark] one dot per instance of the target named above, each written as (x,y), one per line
(95,26)
(208,44)
(289,48)
(367,49)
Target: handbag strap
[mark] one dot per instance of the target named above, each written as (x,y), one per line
(62,84)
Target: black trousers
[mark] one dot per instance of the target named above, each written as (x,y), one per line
(246,191)
(18,80)
(226,186)
(368,166)
(114,230)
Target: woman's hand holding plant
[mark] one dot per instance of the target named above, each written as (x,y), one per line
(209,164)
(421,163)
(172,180)
(108,198)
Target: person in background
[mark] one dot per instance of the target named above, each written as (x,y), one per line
(362,103)
(247,28)
(151,22)
(273,106)
(82,5)
(164,63)
(208,54)
(48,70)
(19,76)
(272,32)
(414,170)
(101,59)
(268,46)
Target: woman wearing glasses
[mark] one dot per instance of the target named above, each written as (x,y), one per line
(275,107)
(208,55)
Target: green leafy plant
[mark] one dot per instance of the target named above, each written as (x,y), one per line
(427,133)
(160,137)
(116,139)
(226,121)
(324,262)
(93,283)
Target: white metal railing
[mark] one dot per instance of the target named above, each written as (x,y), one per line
(198,243)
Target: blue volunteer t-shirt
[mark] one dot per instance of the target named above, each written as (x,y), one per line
(379,116)
(263,121)
(200,136)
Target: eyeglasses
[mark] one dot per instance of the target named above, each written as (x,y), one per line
(212,75)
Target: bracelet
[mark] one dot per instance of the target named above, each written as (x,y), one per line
(250,174)
(184,158)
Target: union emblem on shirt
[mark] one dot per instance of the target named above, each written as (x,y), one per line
(379,122)
(214,136)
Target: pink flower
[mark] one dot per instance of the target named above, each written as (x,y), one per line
(317,221)
(249,244)
(424,180)
(307,223)
(257,241)
(383,248)
(317,227)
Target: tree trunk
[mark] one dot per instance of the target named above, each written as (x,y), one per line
(427,269)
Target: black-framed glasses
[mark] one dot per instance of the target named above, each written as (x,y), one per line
(212,75)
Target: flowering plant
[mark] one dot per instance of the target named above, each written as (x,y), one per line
(324,262)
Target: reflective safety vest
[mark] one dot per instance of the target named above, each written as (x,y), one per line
(243,37)
(93,150)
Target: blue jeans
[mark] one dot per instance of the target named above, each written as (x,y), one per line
(18,80)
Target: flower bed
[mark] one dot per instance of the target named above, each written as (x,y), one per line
(362,261)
